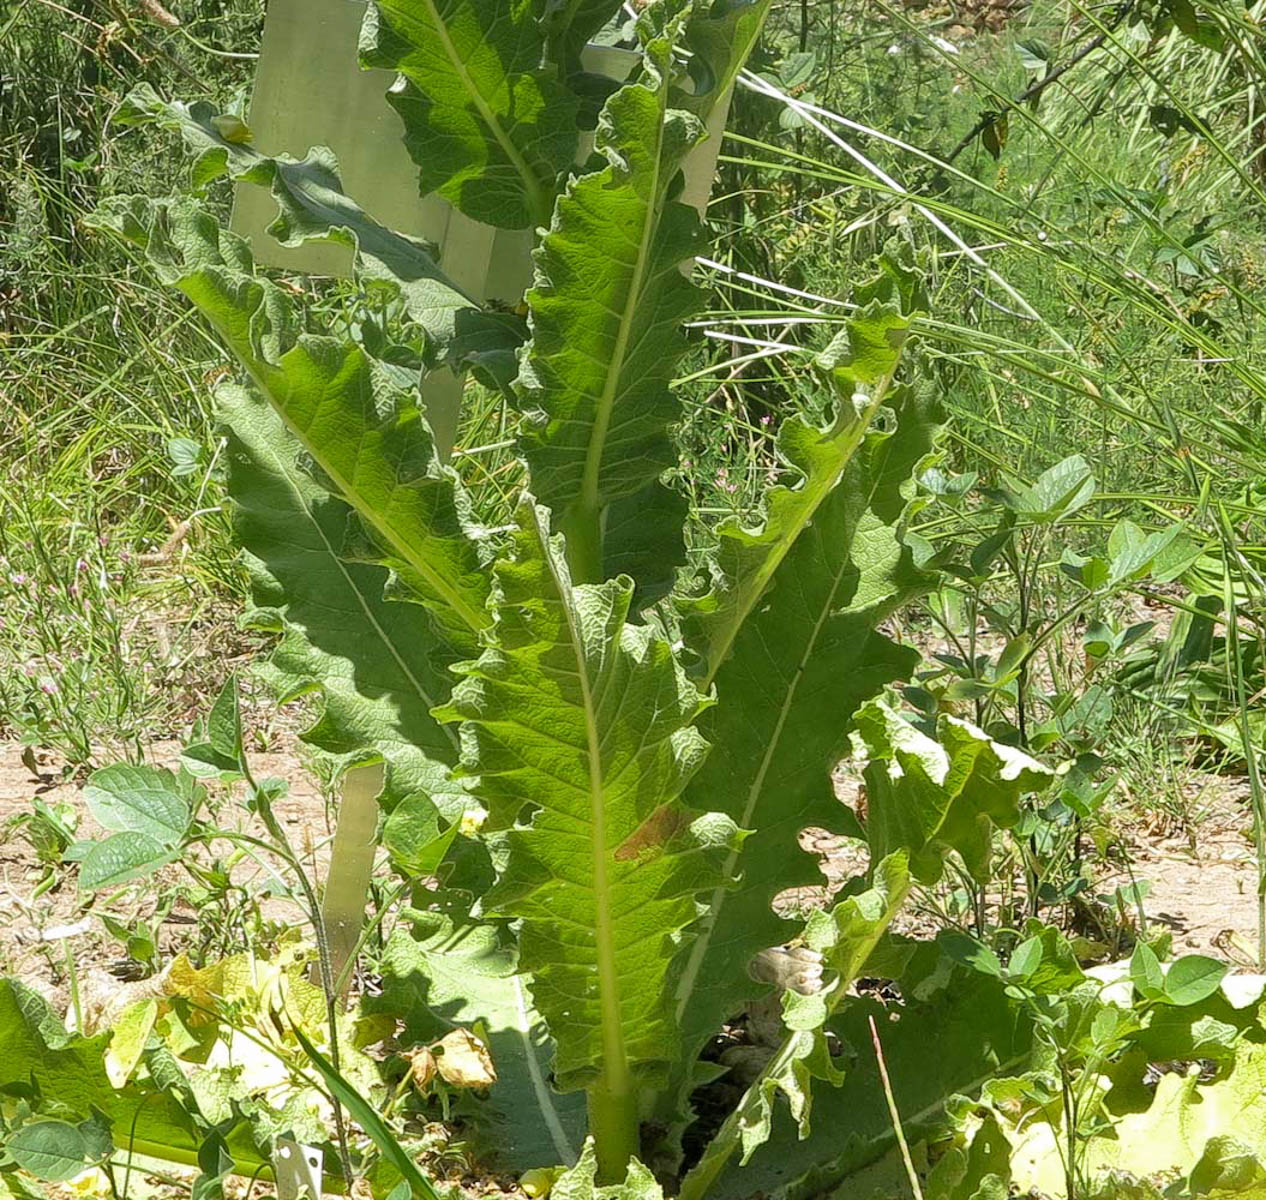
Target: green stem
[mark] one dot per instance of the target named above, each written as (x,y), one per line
(582,527)
(613,1124)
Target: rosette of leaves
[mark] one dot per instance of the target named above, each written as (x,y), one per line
(643,743)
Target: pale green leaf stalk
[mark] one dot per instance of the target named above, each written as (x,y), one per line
(487,119)
(580,728)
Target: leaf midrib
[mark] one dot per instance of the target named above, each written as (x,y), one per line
(476,619)
(370,619)
(700,948)
(538,201)
(544,1093)
(720,649)
(615,1067)
(606,403)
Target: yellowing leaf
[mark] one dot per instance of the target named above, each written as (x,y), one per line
(422,1068)
(131,1031)
(232,129)
(538,1182)
(464,1060)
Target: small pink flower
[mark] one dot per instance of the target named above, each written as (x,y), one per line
(48,687)
(81,564)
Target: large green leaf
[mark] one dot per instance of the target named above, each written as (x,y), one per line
(802,664)
(438,975)
(720,37)
(488,121)
(579,727)
(149,800)
(942,792)
(606,314)
(569,24)
(65,1070)
(977,1032)
(861,364)
(366,434)
(372,660)
(312,205)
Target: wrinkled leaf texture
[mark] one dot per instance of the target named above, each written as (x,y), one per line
(489,122)
(438,975)
(939,791)
(579,727)
(380,665)
(606,313)
(790,634)
(312,205)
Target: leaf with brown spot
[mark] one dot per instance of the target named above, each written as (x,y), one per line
(653,834)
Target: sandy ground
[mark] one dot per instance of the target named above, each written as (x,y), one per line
(1206,896)
(39,931)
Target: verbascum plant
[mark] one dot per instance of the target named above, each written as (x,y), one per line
(641,742)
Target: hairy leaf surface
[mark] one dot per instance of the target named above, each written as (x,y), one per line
(802,664)
(580,729)
(372,660)
(438,975)
(489,123)
(938,791)
(312,205)
(860,363)
(606,313)
(580,1183)
(366,434)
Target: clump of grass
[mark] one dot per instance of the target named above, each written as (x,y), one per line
(118,569)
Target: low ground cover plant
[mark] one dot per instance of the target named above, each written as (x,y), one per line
(600,718)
